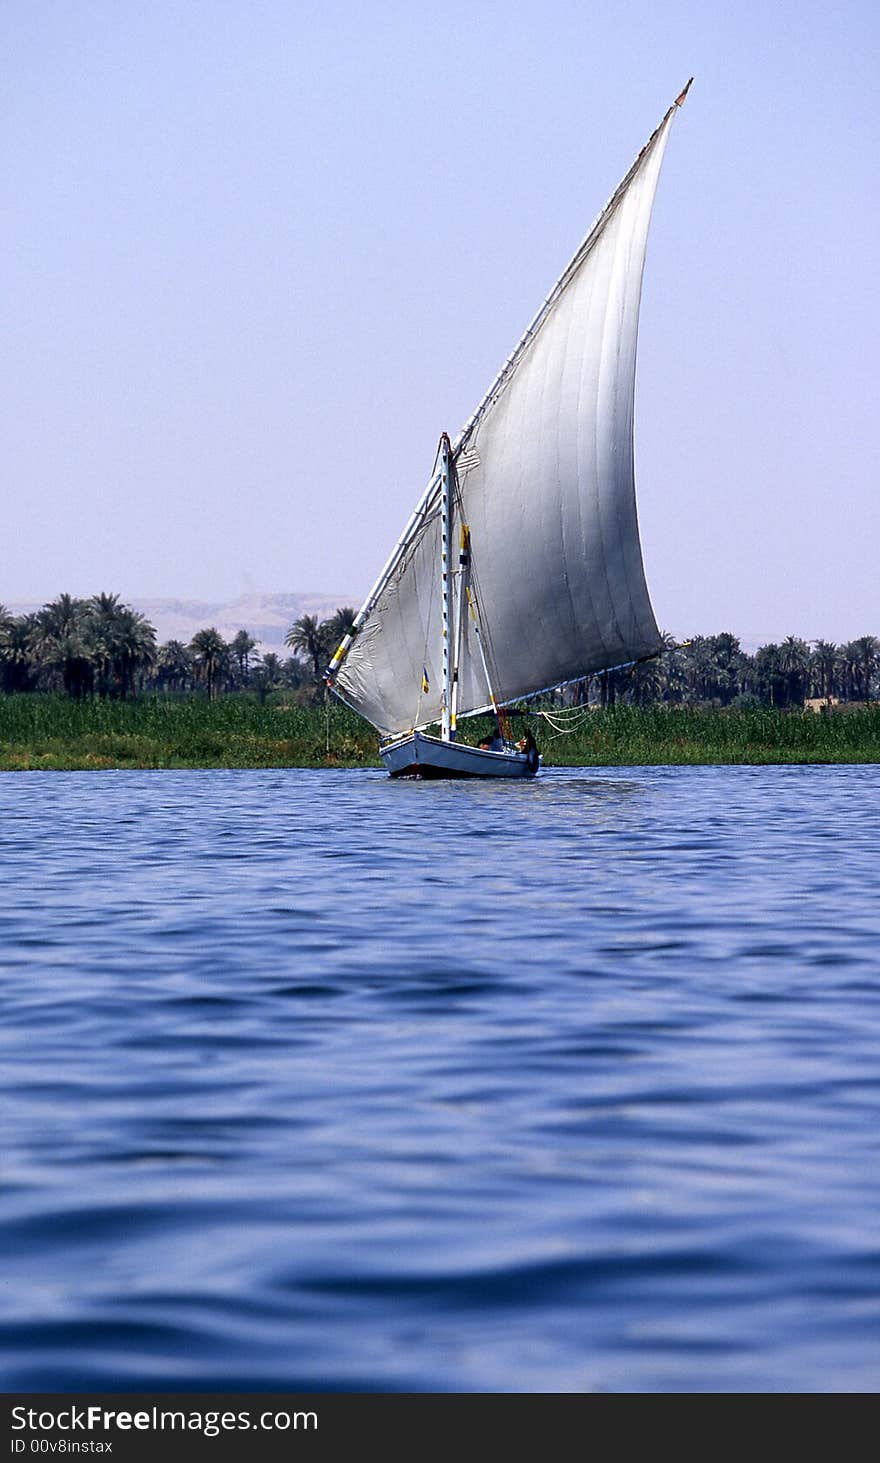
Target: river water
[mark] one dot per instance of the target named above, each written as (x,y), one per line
(312,1080)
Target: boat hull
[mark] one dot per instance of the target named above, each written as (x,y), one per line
(417,755)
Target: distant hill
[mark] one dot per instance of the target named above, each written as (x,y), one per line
(267,617)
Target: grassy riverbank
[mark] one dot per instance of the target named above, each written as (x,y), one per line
(235,731)
(40,731)
(632,736)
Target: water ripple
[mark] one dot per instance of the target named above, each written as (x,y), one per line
(314,1081)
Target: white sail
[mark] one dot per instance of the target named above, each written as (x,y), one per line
(546,487)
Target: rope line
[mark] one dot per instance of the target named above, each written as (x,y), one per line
(566,720)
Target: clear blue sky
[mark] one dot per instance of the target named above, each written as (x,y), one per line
(258,254)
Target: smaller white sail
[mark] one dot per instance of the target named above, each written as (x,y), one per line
(545,485)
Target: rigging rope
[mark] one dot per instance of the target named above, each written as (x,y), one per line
(566,720)
(423,678)
(484,640)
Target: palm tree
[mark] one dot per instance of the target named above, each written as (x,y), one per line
(824,661)
(646,682)
(102,628)
(173,666)
(267,675)
(61,644)
(121,641)
(210,654)
(671,662)
(794,662)
(769,678)
(727,659)
(338,626)
(866,656)
(134,649)
(62,615)
(17,663)
(305,635)
(849,669)
(699,668)
(7,625)
(241,648)
(746,676)
(293,672)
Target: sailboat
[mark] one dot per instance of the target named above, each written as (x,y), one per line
(520,569)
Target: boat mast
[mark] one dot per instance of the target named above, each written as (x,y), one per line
(447,732)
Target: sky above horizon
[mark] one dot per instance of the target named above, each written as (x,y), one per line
(259,255)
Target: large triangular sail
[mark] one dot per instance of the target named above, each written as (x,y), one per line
(545,484)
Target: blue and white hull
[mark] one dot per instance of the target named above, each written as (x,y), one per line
(418,755)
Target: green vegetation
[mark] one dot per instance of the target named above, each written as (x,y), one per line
(714,670)
(45,731)
(83,684)
(101,647)
(54,732)
(660,735)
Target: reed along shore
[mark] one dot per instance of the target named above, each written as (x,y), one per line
(39,731)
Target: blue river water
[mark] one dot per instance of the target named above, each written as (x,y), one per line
(316,1081)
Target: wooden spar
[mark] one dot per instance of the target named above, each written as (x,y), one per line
(445,565)
(460,612)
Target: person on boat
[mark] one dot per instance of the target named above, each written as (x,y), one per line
(526,742)
(494,742)
(529,748)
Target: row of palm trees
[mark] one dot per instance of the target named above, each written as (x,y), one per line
(709,669)
(715,670)
(102,647)
(81,646)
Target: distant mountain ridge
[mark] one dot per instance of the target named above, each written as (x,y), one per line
(267,617)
